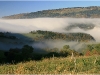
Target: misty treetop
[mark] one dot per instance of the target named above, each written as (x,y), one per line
(26,53)
(7,35)
(63,36)
(84,26)
(47,35)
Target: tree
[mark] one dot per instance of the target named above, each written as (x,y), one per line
(27,52)
(64,51)
(13,55)
(66,47)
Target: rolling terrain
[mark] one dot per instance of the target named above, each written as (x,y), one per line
(75,12)
(42,39)
(39,42)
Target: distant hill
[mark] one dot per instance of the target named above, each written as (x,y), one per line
(75,12)
(83,26)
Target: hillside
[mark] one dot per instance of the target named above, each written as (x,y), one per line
(76,12)
(55,41)
(81,65)
(41,39)
(68,36)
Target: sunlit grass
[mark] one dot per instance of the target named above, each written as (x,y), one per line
(76,65)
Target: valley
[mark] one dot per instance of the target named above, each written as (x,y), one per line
(62,40)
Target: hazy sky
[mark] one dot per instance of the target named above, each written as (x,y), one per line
(15,7)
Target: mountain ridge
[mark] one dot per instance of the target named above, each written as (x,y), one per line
(74,12)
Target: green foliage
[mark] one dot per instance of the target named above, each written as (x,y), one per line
(66,47)
(93,49)
(68,37)
(66,51)
(16,55)
(5,35)
(27,49)
(27,52)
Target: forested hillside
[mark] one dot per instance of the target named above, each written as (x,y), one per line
(48,35)
(68,36)
(75,12)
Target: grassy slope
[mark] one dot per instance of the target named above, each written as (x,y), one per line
(32,36)
(80,65)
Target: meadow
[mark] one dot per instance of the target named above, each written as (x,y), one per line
(54,65)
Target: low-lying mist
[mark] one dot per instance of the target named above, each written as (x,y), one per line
(52,24)
(77,46)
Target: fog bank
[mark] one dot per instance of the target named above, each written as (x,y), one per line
(49,24)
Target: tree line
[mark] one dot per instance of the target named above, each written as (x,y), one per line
(26,53)
(63,36)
